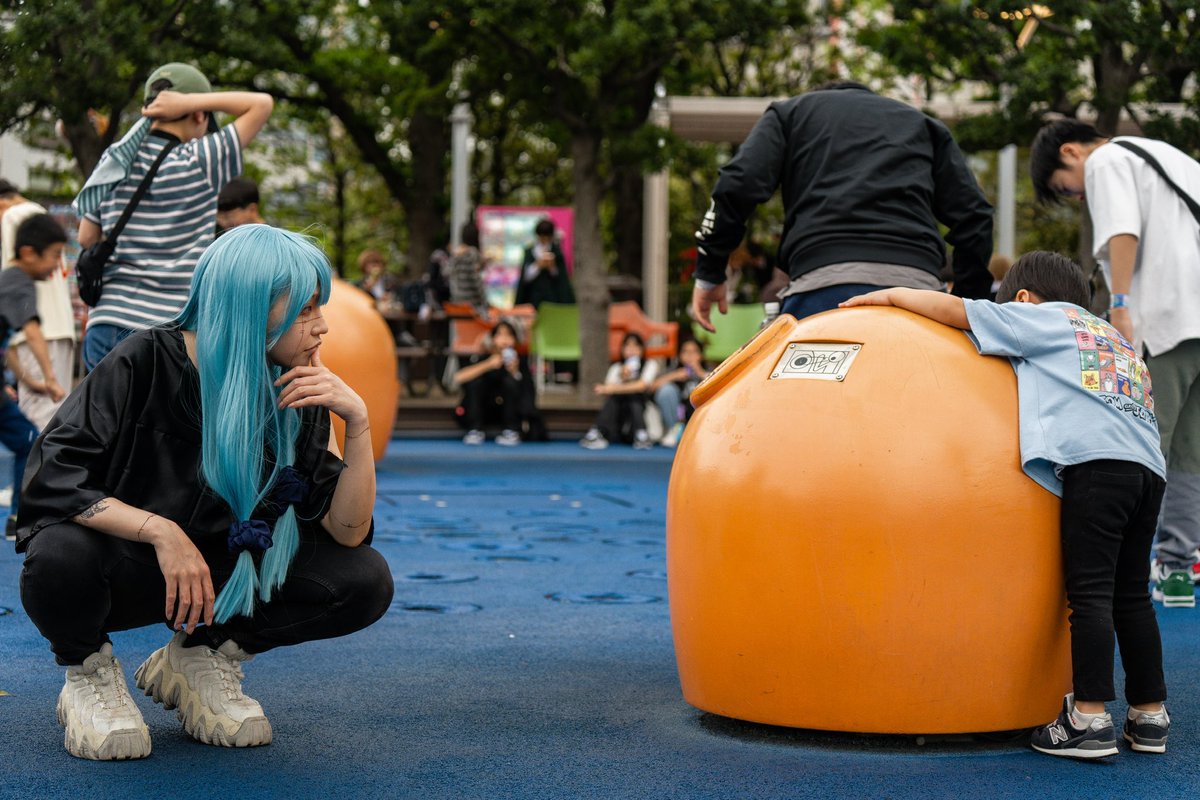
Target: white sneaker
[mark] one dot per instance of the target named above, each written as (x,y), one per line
(672,437)
(473,437)
(508,438)
(206,686)
(641,441)
(593,440)
(101,721)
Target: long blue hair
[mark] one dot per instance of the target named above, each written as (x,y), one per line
(237,282)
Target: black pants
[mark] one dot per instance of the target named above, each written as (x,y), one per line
(1109,515)
(622,416)
(77,585)
(493,394)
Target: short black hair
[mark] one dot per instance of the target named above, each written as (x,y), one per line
(1044,156)
(469,235)
(238,193)
(7,189)
(633,336)
(39,232)
(544,227)
(1051,277)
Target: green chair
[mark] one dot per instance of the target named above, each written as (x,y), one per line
(555,338)
(734,329)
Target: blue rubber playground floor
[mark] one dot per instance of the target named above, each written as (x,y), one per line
(528,654)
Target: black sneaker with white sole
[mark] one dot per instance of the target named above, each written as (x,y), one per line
(1065,736)
(1147,733)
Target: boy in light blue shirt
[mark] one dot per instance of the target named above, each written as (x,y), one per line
(1088,434)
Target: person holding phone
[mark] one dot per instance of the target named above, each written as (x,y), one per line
(544,277)
(497,386)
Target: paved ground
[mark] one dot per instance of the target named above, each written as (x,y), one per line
(494,677)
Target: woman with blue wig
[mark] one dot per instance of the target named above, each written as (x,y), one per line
(193,472)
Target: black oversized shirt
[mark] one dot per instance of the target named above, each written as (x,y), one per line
(864,178)
(131,430)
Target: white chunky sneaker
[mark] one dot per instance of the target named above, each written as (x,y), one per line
(101,721)
(206,686)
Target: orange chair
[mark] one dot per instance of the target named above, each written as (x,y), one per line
(467,328)
(662,338)
(841,555)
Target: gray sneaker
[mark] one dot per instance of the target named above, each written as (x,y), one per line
(1070,736)
(473,437)
(594,440)
(98,715)
(1146,732)
(206,686)
(508,438)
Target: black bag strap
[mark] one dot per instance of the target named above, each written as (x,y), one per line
(1192,205)
(139,194)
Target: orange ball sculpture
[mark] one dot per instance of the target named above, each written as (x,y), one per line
(360,350)
(851,542)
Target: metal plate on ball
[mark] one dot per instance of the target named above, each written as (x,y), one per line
(816,361)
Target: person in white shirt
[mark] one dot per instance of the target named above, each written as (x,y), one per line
(57,320)
(1146,237)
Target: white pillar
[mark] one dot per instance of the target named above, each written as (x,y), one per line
(460,170)
(656,231)
(1006,202)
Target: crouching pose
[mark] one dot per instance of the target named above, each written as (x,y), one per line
(193,474)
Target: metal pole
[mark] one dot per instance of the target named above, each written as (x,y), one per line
(1006,201)
(460,170)
(656,233)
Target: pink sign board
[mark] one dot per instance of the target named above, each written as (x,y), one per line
(505,232)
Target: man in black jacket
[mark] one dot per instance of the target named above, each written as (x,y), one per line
(866,180)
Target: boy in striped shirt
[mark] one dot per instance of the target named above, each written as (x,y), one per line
(149,276)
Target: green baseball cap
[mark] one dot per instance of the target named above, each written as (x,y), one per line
(183,77)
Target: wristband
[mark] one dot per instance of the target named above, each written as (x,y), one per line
(1119,301)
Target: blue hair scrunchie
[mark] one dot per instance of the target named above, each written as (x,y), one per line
(249,534)
(290,488)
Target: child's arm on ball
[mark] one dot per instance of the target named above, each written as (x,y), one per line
(937,306)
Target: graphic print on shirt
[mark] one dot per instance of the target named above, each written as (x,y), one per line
(1108,364)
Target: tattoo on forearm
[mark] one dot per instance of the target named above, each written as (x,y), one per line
(93,510)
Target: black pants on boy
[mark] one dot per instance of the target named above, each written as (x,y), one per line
(77,585)
(1109,515)
(622,412)
(481,394)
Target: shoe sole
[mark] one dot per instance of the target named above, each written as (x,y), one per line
(1180,601)
(1078,752)
(1142,747)
(163,685)
(120,745)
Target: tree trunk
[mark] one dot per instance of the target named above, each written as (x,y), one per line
(86,144)
(629,188)
(429,140)
(591,290)
(1114,77)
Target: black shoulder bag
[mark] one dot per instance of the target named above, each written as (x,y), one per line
(89,267)
(1192,205)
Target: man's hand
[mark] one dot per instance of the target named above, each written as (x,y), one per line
(50,386)
(1122,320)
(702,303)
